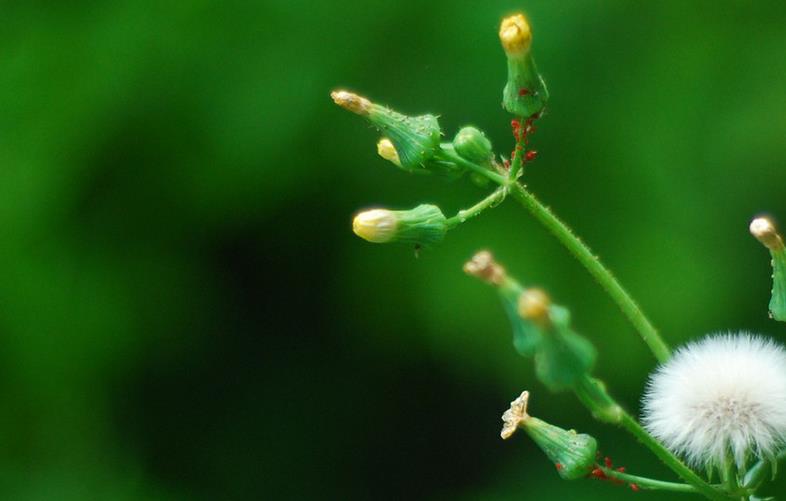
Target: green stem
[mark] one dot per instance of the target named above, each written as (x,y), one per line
(669,459)
(594,396)
(517,162)
(647,483)
(579,250)
(591,262)
(451,156)
(493,199)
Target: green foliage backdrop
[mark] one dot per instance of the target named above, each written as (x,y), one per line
(185,313)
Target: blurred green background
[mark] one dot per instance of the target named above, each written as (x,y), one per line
(185,313)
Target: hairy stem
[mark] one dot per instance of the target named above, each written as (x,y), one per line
(593,265)
(576,247)
(493,199)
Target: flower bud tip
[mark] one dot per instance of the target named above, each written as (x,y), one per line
(534,305)
(764,231)
(375,225)
(386,150)
(352,102)
(515,34)
(483,266)
(515,415)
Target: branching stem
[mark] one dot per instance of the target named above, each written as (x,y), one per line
(579,250)
(493,199)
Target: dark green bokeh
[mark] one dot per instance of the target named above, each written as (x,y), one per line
(185,313)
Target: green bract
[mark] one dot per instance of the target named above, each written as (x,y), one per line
(527,336)
(416,139)
(778,300)
(525,92)
(572,453)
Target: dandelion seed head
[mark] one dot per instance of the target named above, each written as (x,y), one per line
(722,395)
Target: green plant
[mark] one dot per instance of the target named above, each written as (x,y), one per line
(715,405)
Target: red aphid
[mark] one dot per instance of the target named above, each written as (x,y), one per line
(559,466)
(607,462)
(634,487)
(523,92)
(530,156)
(598,473)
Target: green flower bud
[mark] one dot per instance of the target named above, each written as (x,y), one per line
(563,357)
(525,92)
(473,145)
(526,335)
(540,328)
(424,225)
(764,231)
(415,139)
(572,453)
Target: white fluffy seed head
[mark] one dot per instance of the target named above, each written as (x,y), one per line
(723,395)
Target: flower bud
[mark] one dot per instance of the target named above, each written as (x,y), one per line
(563,357)
(528,335)
(766,233)
(386,150)
(534,304)
(515,35)
(424,225)
(473,145)
(415,139)
(572,453)
(525,92)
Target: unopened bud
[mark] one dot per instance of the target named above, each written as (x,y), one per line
(424,225)
(573,454)
(352,102)
(766,233)
(415,139)
(515,35)
(386,150)
(525,92)
(534,305)
(375,225)
(473,145)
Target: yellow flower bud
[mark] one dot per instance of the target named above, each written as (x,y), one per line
(534,305)
(375,225)
(422,226)
(515,35)
(387,151)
